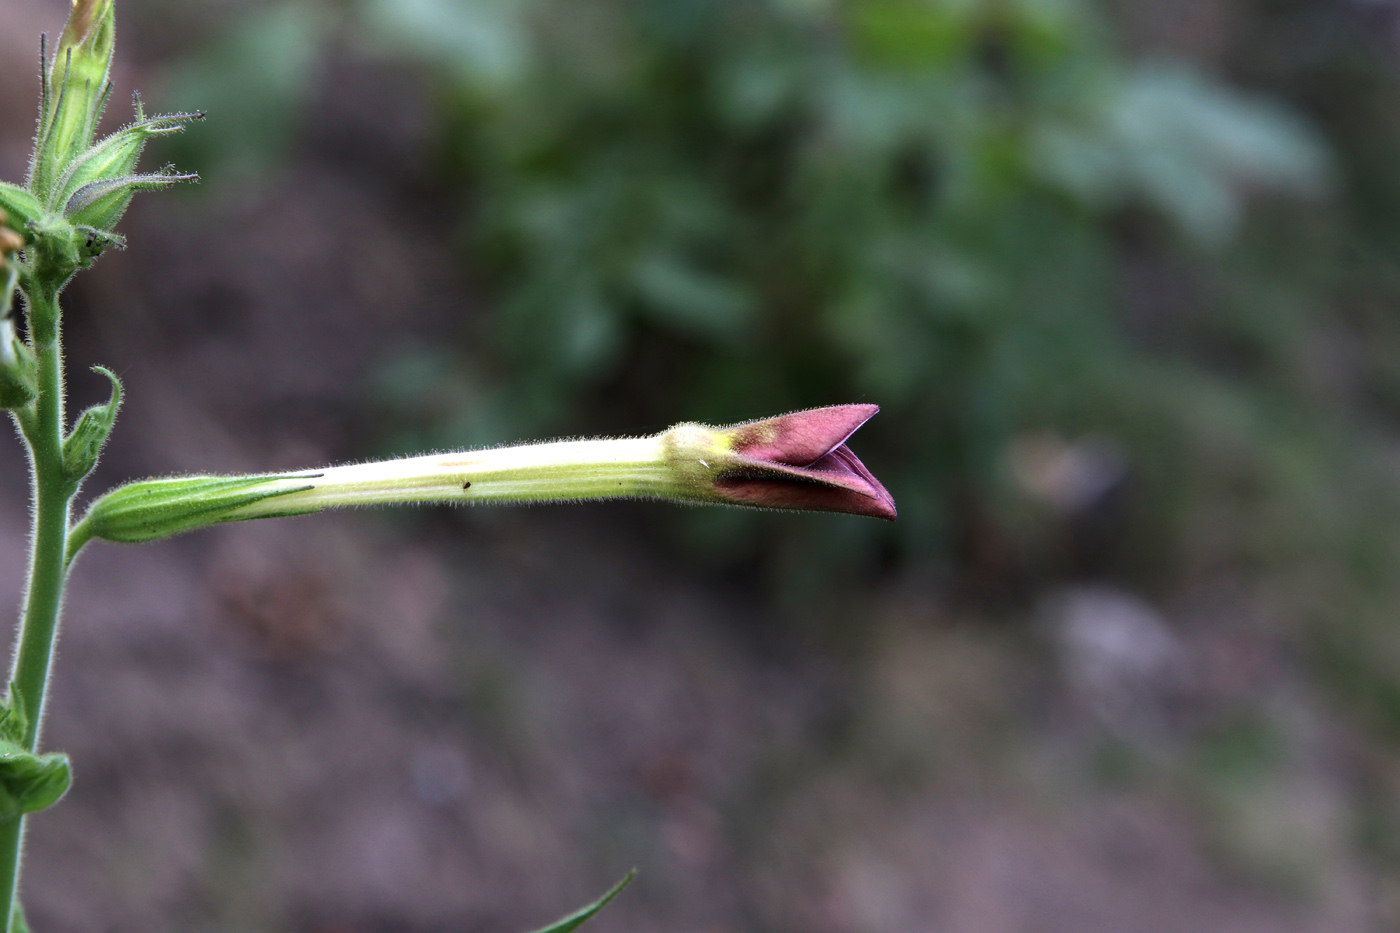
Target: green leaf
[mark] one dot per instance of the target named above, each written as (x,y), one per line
(579,918)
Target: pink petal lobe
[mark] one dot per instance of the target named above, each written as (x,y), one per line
(801,438)
(843,460)
(838,482)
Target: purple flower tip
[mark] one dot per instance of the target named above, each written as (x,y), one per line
(801,461)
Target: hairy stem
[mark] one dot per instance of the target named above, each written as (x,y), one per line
(52,492)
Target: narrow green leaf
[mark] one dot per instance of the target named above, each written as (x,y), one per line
(579,918)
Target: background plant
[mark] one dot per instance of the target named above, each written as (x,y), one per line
(945,205)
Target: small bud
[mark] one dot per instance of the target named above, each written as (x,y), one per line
(83,445)
(30,782)
(74,91)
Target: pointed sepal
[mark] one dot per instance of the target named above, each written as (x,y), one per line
(100,204)
(113,159)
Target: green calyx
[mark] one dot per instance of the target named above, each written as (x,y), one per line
(160,508)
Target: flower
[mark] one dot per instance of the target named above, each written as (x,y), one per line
(801,461)
(795,461)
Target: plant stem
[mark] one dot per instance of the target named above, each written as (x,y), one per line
(52,491)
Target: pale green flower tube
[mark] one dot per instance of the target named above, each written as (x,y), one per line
(796,461)
(594,469)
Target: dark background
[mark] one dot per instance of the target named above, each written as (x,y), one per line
(1124,278)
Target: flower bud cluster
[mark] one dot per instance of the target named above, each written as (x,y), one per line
(77,188)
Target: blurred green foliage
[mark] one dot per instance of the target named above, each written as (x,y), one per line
(721,209)
(1123,316)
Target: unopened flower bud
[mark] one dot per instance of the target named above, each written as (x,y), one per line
(74,91)
(30,782)
(84,443)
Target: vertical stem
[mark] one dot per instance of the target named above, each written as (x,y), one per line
(52,491)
